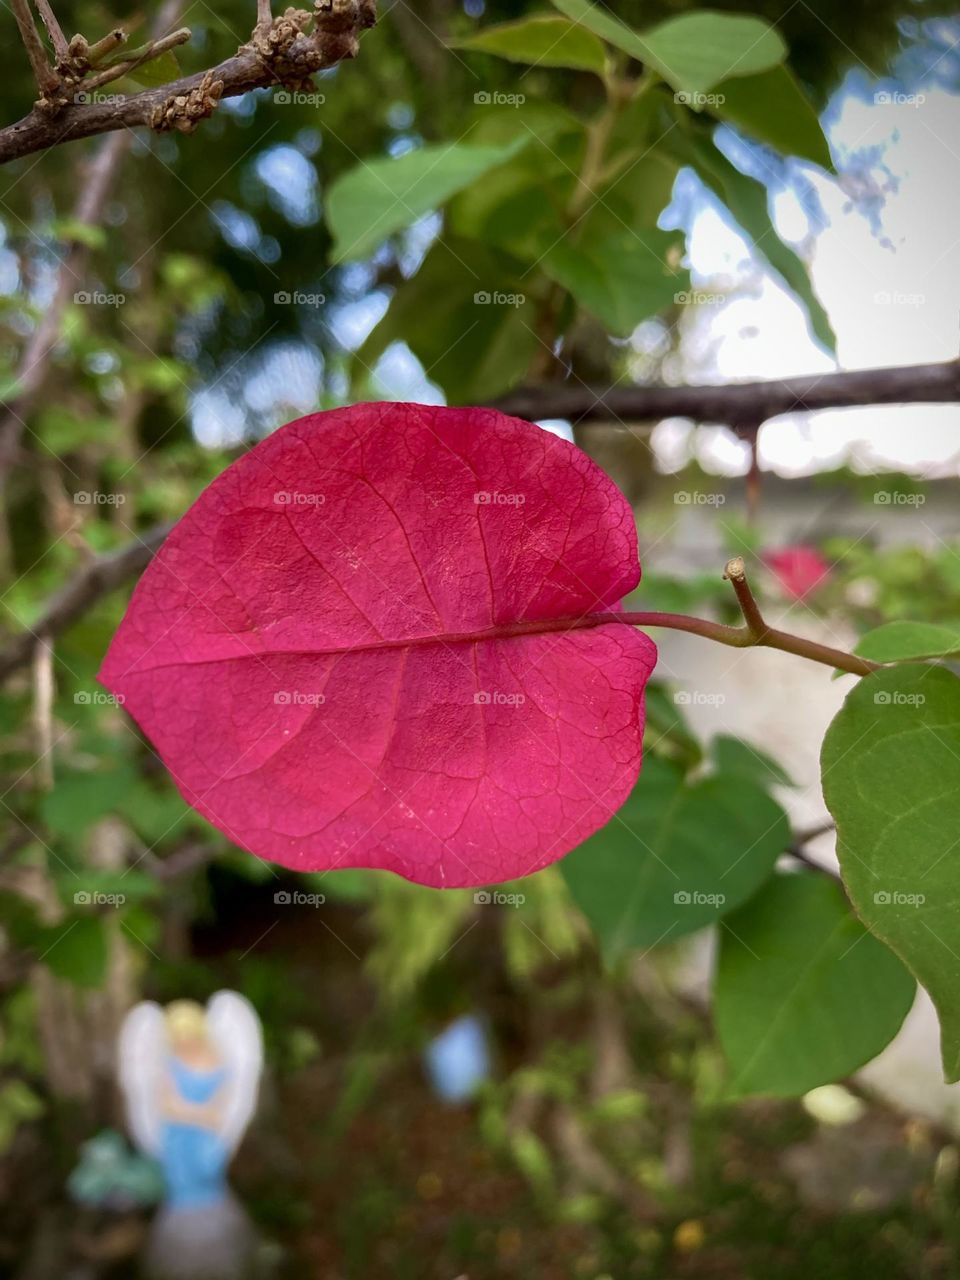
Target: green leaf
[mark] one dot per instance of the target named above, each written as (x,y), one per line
(904,641)
(80,799)
(521,206)
(79,232)
(466,318)
(803,995)
(695,51)
(773,108)
(891,779)
(546,41)
(665,729)
(735,758)
(621,278)
(676,858)
(692,52)
(75,950)
(747,201)
(371,202)
(18,1103)
(148,75)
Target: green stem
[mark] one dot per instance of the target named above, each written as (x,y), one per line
(754,634)
(744,638)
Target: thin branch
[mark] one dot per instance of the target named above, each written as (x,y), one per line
(45,76)
(264,17)
(285,54)
(101,49)
(736,574)
(136,58)
(743,404)
(35,360)
(61,45)
(94,184)
(801,838)
(94,581)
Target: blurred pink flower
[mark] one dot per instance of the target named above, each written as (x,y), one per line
(799,570)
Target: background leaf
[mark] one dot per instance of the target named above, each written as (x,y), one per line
(803,995)
(677,857)
(547,41)
(735,758)
(370,202)
(693,51)
(747,201)
(622,278)
(474,348)
(773,108)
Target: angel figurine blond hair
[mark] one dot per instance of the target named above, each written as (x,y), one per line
(190,1077)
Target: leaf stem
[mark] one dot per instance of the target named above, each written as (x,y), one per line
(754,633)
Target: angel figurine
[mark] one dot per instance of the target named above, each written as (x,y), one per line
(190,1078)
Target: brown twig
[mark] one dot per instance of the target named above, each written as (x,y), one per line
(94,183)
(61,45)
(743,404)
(285,53)
(94,581)
(45,76)
(735,573)
(136,58)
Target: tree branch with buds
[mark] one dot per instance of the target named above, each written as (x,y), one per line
(284,51)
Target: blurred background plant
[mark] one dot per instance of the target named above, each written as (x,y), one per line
(232,280)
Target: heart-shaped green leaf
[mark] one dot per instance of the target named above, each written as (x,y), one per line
(677,857)
(891,779)
(803,995)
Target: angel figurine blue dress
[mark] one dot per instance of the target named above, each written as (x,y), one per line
(190,1077)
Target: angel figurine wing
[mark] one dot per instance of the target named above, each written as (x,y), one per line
(142,1049)
(234,1028)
